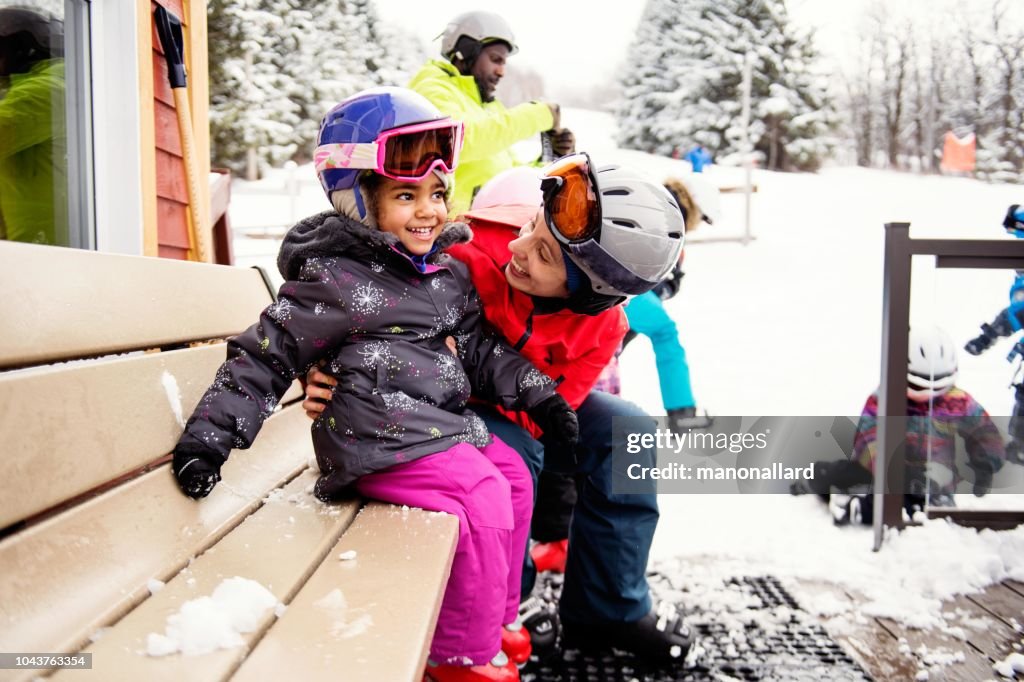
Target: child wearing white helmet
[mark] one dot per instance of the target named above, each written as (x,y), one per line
(938,413)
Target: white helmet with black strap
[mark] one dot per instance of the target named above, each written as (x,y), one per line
(470,32)
(622,229)
(931,363)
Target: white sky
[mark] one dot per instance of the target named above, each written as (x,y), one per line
(571,42)
(581,43)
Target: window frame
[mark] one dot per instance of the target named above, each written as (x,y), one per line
(116,126)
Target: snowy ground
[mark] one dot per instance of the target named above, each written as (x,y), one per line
(790,324)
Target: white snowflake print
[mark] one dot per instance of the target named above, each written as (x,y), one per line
(449,371)
(320,308)
(280,310)
(269,403)
(401,404)
(223,380)
(390,431)
(435,283)
(376,353)
(499,350)
(368,299)
(461,344)
(533,379)
(475,433)
(377,267)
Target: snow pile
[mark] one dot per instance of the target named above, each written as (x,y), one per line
(215,622)
(173,396)
(1014,663)
(794,538)
(345,622)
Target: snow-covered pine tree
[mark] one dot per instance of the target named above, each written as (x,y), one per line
(682,84)
(251,115)
(277,66)
(1001,141)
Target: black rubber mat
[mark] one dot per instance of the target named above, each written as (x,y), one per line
(772,639)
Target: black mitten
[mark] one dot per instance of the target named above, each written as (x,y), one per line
(196,469)
(558,422)
(563,142)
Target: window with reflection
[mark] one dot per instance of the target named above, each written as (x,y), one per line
(44,160)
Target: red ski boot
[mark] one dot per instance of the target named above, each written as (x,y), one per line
(515,642)
(500,669)
(550,556)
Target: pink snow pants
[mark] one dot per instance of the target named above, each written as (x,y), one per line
(491,493)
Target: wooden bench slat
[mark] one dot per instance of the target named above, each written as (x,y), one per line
(391,594)
(87,424)
(91,564)
(99,420)
(279,546)
(61,303)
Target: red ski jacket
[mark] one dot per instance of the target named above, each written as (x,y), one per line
(569,347)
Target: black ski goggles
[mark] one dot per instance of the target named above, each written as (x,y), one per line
(572,207)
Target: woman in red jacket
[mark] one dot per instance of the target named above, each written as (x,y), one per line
(551,280)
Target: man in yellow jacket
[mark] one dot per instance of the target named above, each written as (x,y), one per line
(476,46)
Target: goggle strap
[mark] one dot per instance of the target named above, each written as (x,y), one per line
(345,155)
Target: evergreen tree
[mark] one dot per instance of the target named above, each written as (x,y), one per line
(277,66)
(250,112)
(684,74)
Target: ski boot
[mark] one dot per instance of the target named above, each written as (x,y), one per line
(850,509)
(686,418)
(660,636)
(500,669)
(540,619)
(550,556)
(515,642)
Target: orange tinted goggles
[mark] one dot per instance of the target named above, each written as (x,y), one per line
(572,207)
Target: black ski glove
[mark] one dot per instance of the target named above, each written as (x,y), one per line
(979,344)
(558,422)
(196,469)
(669,287)
(563,142)
(983,472)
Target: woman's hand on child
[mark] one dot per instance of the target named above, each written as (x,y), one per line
(558,422)
(319,390)
(196,469)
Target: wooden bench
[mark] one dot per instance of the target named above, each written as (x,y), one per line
(102,357)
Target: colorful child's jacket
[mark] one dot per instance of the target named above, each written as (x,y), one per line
(933,438)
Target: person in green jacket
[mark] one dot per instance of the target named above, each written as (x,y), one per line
(33,142)
(475,46)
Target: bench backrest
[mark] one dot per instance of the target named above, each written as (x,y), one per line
(91,399)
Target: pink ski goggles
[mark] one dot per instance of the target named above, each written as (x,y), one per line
(407,154)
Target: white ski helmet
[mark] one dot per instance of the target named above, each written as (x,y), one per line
(641,234)
(481,27)
(519,185)
(931,363)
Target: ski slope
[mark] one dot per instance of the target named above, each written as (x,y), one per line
(790,324)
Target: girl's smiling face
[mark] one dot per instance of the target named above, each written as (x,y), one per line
(537,267)
(413,212)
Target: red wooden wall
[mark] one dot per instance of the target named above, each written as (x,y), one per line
(171,188)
